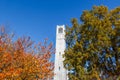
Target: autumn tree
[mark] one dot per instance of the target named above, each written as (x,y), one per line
(93,45)
(21,59)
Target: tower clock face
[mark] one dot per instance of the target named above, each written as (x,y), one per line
(61,36)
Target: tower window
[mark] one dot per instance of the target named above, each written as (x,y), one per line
(59,53)
(60,30)
(59,67)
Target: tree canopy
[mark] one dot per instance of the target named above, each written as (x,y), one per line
(93,45)
(21,59)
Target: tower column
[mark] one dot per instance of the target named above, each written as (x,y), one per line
(59,70)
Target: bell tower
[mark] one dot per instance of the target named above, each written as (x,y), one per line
(59,70)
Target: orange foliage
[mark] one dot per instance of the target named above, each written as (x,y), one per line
(21,60)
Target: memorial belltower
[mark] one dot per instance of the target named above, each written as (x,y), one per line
(59,70)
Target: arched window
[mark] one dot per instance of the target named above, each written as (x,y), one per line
(59,53)
(59,67)
(60,30)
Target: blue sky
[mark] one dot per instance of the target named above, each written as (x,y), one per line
(38,18)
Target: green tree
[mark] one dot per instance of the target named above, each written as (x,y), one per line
(93,45)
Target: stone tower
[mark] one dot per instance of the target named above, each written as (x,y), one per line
(59,70)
